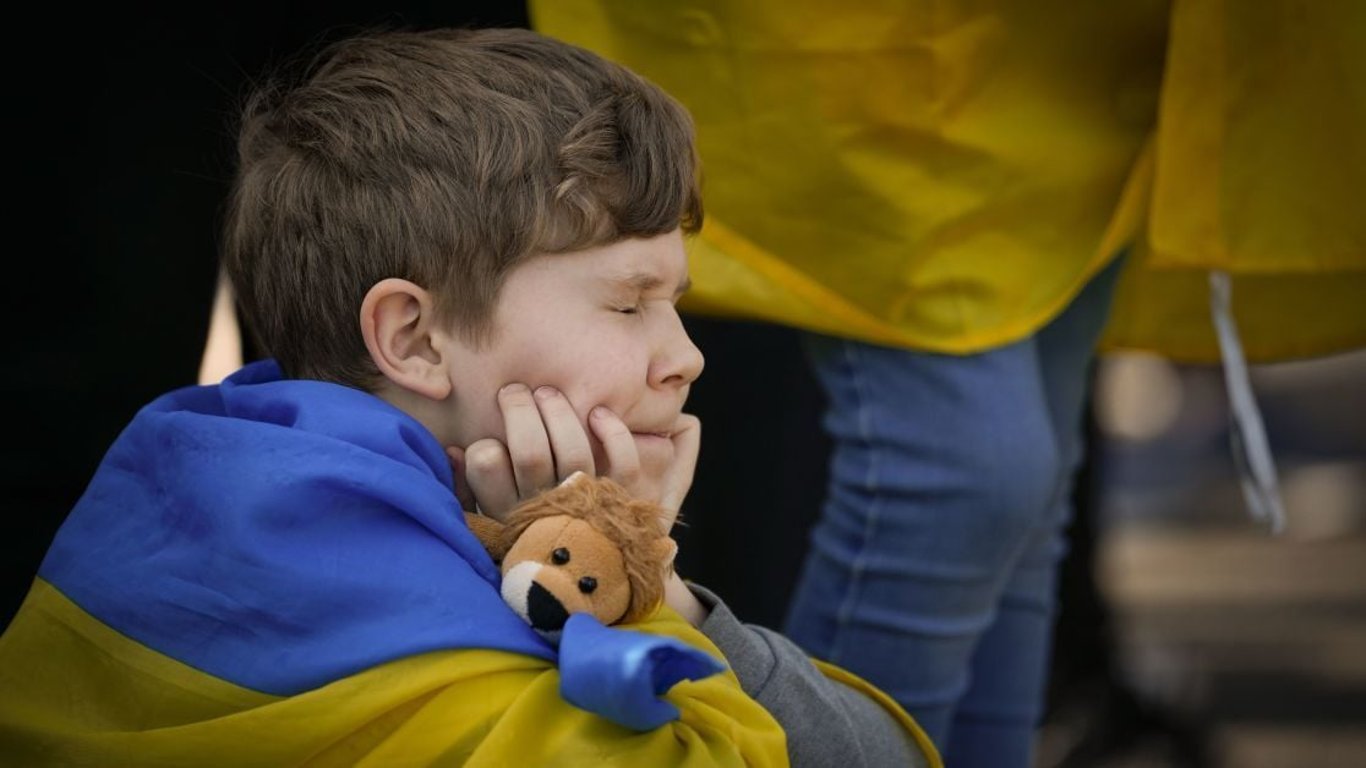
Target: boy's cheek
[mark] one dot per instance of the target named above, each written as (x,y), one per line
(485,422)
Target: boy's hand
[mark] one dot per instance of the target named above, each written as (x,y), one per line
(546,444)
(665,483)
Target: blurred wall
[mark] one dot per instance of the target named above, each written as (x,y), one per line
(123,152)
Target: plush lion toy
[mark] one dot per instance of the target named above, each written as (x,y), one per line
(584,546)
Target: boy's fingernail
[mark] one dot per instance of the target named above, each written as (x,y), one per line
(598,412)
(545,393)
(509,389)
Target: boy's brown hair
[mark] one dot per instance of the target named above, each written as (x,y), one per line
(444,157)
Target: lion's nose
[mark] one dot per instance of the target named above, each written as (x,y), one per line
(544,611)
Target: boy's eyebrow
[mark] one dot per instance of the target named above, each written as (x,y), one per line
(644,282)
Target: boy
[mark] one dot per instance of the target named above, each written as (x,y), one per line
(469,239)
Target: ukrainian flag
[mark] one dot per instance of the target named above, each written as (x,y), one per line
(273,572)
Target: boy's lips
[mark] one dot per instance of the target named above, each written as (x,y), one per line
(663,429)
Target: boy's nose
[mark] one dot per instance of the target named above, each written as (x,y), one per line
(679,361)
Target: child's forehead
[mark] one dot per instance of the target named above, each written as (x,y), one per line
(653,265)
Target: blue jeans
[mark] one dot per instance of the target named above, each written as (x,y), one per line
(933,567)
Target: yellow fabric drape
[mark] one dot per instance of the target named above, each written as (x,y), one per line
(1260,166)
(947,176)
(75,692)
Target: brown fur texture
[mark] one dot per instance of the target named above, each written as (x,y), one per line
(630,525)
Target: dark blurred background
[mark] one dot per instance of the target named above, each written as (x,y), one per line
(124,152)
(1188,636)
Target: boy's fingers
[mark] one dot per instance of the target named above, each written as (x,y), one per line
(687,439)
(618,447)
(528,446)
(568,442)
(456,454)
(488,470)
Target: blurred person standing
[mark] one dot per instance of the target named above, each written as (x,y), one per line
(960,204)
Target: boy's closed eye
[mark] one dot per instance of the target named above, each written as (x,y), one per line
(636,290)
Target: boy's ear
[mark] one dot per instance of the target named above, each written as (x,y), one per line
(398,323)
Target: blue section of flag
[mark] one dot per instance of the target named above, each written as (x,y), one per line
(281,534)
(623,675)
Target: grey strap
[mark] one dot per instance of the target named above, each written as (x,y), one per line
(1251,453)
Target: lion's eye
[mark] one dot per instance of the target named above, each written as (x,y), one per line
(560,556)
(587,584)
